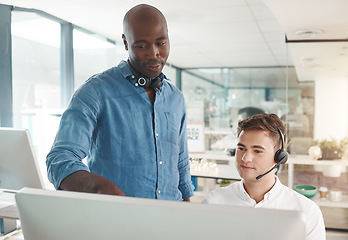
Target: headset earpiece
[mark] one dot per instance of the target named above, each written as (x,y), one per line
(143,82)
(281,156)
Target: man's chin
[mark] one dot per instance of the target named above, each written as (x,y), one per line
(153,75)
(153,71)
(250,180)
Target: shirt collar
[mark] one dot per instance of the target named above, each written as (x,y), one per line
(268,196)
(243,193)
(124,69)
(275,190)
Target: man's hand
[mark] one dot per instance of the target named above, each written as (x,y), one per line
(83,181)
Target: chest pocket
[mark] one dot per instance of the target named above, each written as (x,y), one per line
(173,127)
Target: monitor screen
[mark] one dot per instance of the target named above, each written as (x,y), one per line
(18,164)
(56,215)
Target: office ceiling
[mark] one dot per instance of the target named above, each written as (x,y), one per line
(317,31)
(228,33)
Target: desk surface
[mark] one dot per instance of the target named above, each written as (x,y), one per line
(306,160)
(8,204)
(212,155)
(217,171)
(14,235)
(327,203)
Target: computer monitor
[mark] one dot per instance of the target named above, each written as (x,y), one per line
(56,215)
(18,165)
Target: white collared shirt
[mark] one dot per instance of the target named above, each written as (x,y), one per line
(279,197)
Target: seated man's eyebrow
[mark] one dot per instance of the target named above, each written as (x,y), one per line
(253,146)
(257,146)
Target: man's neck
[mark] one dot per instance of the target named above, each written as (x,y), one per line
(257,189)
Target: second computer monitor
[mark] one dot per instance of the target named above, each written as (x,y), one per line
(18,164)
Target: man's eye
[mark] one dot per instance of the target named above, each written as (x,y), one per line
(161,43)
(140,45)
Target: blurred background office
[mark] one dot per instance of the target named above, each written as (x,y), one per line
(225,57)
(229,58)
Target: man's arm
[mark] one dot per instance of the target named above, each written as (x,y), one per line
(83,181)
(65,168)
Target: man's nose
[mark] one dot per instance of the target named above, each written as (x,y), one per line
(246,157)
(153,52)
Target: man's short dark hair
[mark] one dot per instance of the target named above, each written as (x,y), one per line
(263,122)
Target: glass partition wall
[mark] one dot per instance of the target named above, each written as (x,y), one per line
(93,54)
(220,97)
(37,72)
(36,78)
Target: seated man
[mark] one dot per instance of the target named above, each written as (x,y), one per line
(259,152)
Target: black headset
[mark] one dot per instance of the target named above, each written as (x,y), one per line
(147,82)
(281,156)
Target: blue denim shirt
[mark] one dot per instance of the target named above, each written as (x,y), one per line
(140,146)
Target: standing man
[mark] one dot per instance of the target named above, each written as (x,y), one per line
(260,150)
(128,121)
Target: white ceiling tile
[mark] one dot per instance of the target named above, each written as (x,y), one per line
(253,2)
(201,33)
(278,36)
(270,26)
(262,12)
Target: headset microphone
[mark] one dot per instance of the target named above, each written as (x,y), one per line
(260,176)
(280,156)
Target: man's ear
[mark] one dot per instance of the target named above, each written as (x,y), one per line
(125,42)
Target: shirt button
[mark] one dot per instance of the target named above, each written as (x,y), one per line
(136,84)
(133,76)
(160,162)
(159,191)
(156,134)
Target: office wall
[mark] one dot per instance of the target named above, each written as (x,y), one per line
(331,108)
